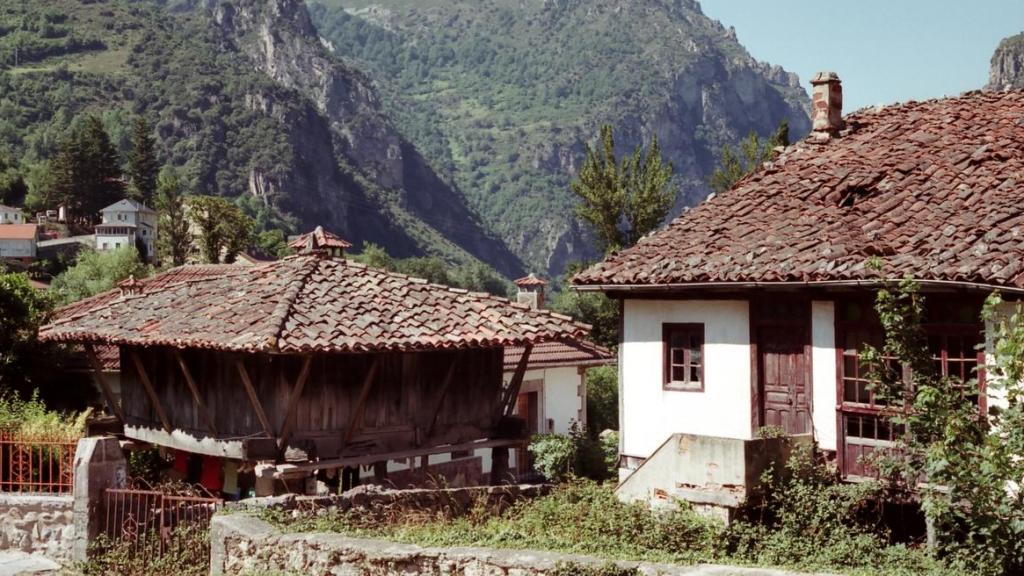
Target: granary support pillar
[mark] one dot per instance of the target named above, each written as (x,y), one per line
(99,465)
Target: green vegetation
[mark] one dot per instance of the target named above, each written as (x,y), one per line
(475,277)
(184,552)
(559,457)
(623,200)
(750,154)
(602,399)
(32,417)
(224,230)
(97,271)
(86,171)
(965,469)
(175,239)
(23,309)
(808,521)
(142,164)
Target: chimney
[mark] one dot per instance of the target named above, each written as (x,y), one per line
(531,291)
(130,287)
(827,103)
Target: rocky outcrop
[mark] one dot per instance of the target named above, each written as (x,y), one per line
(339,120)
(1007,67)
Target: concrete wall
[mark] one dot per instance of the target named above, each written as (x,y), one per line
(823,366)
(40,525)
(243,544)
(651,414)
(17,248)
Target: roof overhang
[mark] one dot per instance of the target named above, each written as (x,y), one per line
(939,285)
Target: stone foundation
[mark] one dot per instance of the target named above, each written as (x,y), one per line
(40,525)
(244,544)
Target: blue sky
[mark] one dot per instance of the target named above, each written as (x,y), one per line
(884,51)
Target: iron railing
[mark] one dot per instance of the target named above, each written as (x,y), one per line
(37,463)
(144,518)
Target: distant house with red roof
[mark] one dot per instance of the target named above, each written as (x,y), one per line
(18,241)
(751,309)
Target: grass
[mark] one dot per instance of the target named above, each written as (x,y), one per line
(586,518)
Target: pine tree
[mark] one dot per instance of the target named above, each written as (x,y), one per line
(87,172)
(142,165)
(623,200)
(173,236)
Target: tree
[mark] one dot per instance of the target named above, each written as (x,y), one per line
(23,309)
(964,467)
(602,400)
(142,164)
(97,271)
(173,236)
(224,230)
(751,153)
(375,256)
(623,200)
(273,243)
(87,172)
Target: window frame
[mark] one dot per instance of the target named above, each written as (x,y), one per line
(667,329)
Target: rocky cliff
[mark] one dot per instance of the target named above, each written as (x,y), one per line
(1007,68)
(514,89)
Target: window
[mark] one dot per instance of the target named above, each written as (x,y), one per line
(684,357)
(105,246)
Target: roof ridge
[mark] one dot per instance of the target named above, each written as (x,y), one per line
(280,315)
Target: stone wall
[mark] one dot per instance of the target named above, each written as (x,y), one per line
(37,525)
(243,544)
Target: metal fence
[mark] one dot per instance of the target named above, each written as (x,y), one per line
(37,463)
(145,518)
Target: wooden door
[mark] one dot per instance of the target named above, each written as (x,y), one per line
(784,372)
(528,408)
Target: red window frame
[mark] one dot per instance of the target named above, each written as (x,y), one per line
(693,333)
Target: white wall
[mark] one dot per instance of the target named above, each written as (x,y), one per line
(823,365)
(17,248)
(113,242)
(651,414)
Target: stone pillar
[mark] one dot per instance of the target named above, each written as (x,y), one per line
(99,464)
(265,479)
(499,465)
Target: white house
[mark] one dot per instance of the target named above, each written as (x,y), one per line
(751,309)
(128,223)
(9,215)
(18,241)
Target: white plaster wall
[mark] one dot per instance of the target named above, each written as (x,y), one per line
(17,248)
(650,414)
(562,402)
(996,394)
(112,242)
(823,365)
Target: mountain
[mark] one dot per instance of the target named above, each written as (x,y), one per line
(1007,68)
(501,96)
(247,101)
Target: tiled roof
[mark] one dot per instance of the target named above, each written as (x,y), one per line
(309,303)
(529,281)
(128,205)
(554,354)
(933,189)
(18,231)
(321,239)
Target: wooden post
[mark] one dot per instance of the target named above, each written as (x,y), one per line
(364,392)
(380,471)
(200,404)
(499,465)
(97,373)
(509,400)
(253,398)
(293,403)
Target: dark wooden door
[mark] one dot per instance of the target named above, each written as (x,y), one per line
(528,408)
(783,369)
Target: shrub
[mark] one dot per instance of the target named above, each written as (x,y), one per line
(32,417)
(185,553)
(577,569)
(559,457)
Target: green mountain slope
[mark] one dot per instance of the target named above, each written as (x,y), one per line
(247,102)
(501,96)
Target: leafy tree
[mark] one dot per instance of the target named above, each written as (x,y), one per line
(87,172)
(602,399)
(623,200)
(964,467)
(752,152)
(173,236)
(478,277)
(142,165)
(97,271)
(224,230)
(273,243)
(376,256)
(431,268)
(593,308)
(23,309)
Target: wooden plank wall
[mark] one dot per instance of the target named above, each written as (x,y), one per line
(397,413)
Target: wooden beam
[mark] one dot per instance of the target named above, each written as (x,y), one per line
(357,413)
(97,373)
(204,412)
(442,394)
(402,455)
(256,405)
(293,403)
(148,385)
(509,400)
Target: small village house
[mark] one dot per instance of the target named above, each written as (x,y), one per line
(19,241)
(312,363)
(11,215)
(128,223)
(751,309)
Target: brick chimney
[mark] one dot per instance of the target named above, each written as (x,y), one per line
(827,103)
(130,287)
(531,291)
